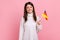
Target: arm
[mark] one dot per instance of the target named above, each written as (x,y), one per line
(38,26)
(21,29)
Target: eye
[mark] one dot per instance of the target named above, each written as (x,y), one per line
(27,7)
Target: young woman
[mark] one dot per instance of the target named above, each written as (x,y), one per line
(30,24)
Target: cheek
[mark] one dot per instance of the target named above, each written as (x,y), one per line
(28,9)
(31,8)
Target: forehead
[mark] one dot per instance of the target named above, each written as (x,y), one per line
(29,5)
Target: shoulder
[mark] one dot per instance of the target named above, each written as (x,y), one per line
(22,18)
(38,17)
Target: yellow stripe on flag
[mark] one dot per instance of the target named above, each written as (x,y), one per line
(44,15)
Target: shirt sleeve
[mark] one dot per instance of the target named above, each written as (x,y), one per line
(38,27)
(21,29)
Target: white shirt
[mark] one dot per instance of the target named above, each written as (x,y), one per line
(28,30)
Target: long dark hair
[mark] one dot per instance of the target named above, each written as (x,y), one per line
(25,11)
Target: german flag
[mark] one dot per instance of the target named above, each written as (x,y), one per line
(44,15)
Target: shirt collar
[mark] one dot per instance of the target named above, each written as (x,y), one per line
(30,14)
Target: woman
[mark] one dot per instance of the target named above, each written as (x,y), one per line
(30,24)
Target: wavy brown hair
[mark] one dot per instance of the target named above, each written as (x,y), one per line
(25,11)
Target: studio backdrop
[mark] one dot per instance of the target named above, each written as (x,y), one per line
(11,12)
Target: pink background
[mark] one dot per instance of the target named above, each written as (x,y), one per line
(12,10)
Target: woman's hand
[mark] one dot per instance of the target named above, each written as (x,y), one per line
(38,22)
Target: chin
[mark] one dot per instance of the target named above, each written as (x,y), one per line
(30,12)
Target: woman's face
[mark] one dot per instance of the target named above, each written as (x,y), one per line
(29,8)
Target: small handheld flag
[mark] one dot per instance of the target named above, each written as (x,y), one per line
(44,15)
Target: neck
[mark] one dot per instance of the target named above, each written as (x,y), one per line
(30,14)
